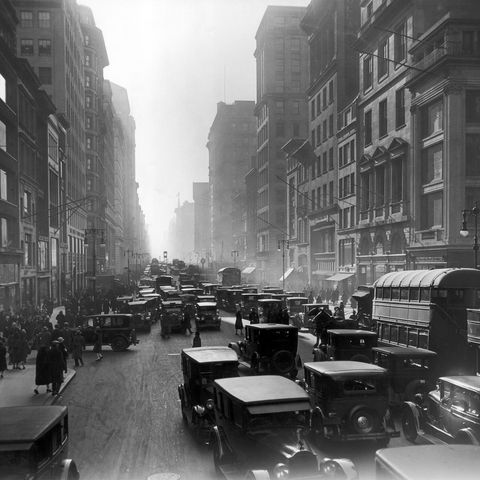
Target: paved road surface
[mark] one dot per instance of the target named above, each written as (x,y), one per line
(125,420)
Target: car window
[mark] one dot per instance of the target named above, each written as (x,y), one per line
(107,322)
(359,385)
(117,321)
(381,360)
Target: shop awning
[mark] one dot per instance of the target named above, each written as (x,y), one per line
(360,294)
(338,277)
(286,274)
(248,270)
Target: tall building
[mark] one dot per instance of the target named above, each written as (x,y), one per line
(183,243)
(231,145)
(201,220)
(282,78)
(49,36)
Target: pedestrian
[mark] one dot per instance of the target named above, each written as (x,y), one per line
(322,322)
(238,322)
(60,318)
(43,374)
(78,345)
(187,323)
(24,348)
(310,297)
(44,338)
(55,361)
(3,357)
(97,346)
(253,316)
(197,341)
(63,349)
(285,316)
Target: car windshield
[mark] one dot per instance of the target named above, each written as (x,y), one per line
(212,372)
(268,421)
(14,465)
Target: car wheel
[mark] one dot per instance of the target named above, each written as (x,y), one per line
(466,437)
(119,344)
(364,421)
(409,426)
(283,362)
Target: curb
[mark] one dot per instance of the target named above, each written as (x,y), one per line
(68,378)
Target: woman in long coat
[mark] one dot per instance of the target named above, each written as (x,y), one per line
(55,360)
(3,357)
(43,374)
(238,322)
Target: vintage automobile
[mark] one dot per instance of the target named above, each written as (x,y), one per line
(168,293)
(269,309)
(295,309)
(231,299)
(268,289)
(249,300)
(439,462)
(350,401)
(116,329)
(34,443)
(260,431)
(346,344)
(269,348)
(450,413)
(140,309)
(171,317)
(308,314)
(207,315)
(145,290)
(154,305)
(411,371)
(200,367)
(122,303)
(206,298)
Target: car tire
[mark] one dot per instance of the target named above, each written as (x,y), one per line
(409,426)
(466,437)
(282,362)
(364,420)
(119,344)
(360,357)
(69,470)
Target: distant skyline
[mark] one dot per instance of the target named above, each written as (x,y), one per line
(178,59)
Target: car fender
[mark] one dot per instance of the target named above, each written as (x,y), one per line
(68,470)
(224,448)
(235,347)
(468,436)
(414,408)
(339,468)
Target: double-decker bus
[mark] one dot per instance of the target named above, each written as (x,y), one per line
(229,276)
(428,309)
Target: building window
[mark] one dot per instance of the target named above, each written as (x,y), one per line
(86,40)
(472,104)
(397,180)
(27,250)
(432,164)
(400,43)
(319,134)
(324,162)
(89,142)
(365,191)
(319,104)
(324,98)
(88,121)
(367,73)
(312,109)
(3,136)
(330,126)
(44,19)
(352,150)
(382,60)
(45,75)
(314,204)
(368,127)
(313,138)
(295,107)
(87,60)
(27,204)
(45,46)
(472,164)
(3,185)
(380,186)
(432,210)
(325,132)
(26,19)
(3,232)
(26,46)
(88,101)
(330,196)
(400,108)
(432,119)
(42,257)
(330,91)
(382,119)
(330,159)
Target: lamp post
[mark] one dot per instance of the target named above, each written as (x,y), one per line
(93,232)
(283,244)
(475,211)
(235,256)
(128,253)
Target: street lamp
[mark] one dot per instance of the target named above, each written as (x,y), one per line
(128,253)
(235,256)
(283,244)
(475,211)
(93,232)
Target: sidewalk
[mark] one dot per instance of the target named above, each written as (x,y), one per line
(16,387)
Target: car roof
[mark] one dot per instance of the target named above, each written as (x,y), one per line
(151,295)
(172,302)
(102,315)
(262,389)
(266,300)
(406,351)
(349,332)
(206,304)
(272,326)
(340,369)
(125,297)
(440,462)
(297,298)
(469,382)
(211,354)
(138,302)
(27,423)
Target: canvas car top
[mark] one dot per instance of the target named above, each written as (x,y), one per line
(138,302)
(263,389)
(207,304)
(350,332)
(27,423)
(340,369)
(211,354)
(271,326)
(440,462)
(405,351)
(469,382)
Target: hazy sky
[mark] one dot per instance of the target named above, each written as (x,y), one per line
(177,59)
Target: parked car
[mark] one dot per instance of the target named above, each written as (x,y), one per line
(450,413)
(411,371)
(260,430)
(269,348)
(207,315)
(200,367)
(439,462)
(115,329)
(34,443)
(350,401)
(347,344)
(171,317)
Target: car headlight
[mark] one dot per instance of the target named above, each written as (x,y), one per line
(209,404)
(280,471)
(330,468)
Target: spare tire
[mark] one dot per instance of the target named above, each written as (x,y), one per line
(364,420)
(282,362)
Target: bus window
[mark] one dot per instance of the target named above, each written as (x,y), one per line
(413,294)
(412,337)
(440,293)
(455,296)
(423,339)
(395,294)
(402,335)
(404,294)
(386,293)
(379,292)
(425,294)
(394,334)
